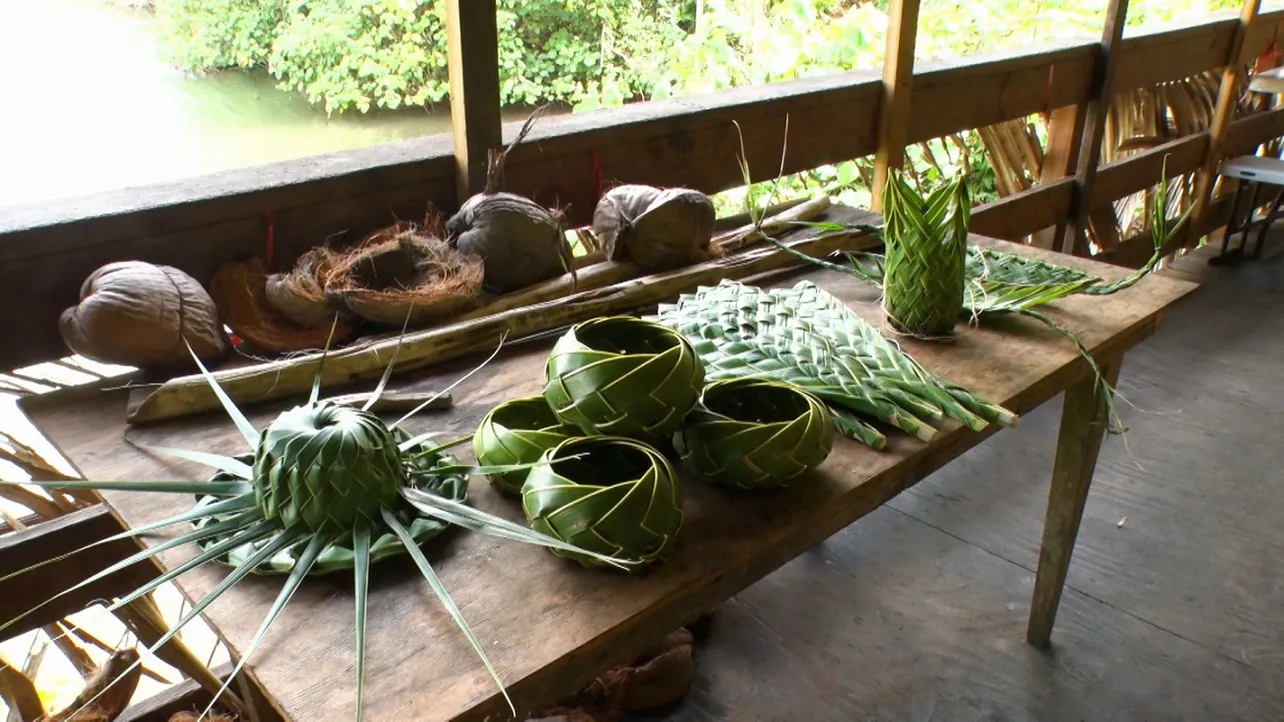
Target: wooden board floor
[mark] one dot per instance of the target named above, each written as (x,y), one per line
(1174,608)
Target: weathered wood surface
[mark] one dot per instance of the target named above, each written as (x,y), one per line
(549,625)
(1083,426)
(894,108)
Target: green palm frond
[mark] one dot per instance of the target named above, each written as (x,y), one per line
(1000,283)
(807,337)
(324,487)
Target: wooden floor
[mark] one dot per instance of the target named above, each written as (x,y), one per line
(1174,608)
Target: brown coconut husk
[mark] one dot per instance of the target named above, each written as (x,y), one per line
(191,717)
(239,290)
(659,677)
(658,229)
(521,241)
(405,270)
(299,294)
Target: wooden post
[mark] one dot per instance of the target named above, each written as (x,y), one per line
(472,47)
(1065,133)
(898,80)
(1096,109)
(1083,424)
(1226,102)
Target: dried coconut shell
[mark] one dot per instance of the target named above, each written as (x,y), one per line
(135,313)
(405,273)
(522,242)
(657,229)
(300,293)
(240,290)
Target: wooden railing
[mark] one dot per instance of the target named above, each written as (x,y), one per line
(47,250)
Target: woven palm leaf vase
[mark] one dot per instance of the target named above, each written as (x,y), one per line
(926,250)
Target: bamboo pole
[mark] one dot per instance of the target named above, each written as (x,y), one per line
(187,395)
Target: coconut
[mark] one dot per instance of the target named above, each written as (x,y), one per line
(521,242)
(140,314)
(405,273)
(240,290)
(299,294)
(657,229)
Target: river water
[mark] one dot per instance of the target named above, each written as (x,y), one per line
(87,105)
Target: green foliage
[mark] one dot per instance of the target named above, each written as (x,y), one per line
(364,54)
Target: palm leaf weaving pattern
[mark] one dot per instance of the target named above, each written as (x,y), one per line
(807,337)
(621,498)
(324,487)
(926,238)
(755,433)
(615,376)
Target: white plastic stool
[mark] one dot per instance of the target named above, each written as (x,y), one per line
(1252,171)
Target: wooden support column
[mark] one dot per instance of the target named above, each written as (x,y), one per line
(1083,423)
(1095,110)
(1226,102)
(1060,159)
(472,47)
(898,80)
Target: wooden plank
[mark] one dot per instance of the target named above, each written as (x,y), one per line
(1244,135)
(53,538)
(1135,251)
(1083,424)
(1227,102)
(1021,214)
(996,87)
(574,622)
(472,51)
(1060,158)
(1141,170)
(893,619)
(894,109)
(1096,111)
(1161,56)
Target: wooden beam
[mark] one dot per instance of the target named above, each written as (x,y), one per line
(54,538)
(1018,215)
(1060,158)
(898,79)
(1096,112)
(472,49)
(1244,135)
(1141,170)
(1083,424)
(1227,101)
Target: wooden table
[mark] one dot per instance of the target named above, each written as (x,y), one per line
(551,626)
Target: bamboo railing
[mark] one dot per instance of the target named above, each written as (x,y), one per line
(46,250)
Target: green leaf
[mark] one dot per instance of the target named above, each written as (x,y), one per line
(232,466)
(288,588)
(433,581)
(228,582)
(238,418)
(361,585)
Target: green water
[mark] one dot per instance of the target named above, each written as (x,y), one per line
(86,105)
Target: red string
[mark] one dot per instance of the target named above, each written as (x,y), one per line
(269,250)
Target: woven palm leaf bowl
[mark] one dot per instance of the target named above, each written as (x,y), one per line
(753,433)
(518,432)
(425,468)
(623,376)
(611,495)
